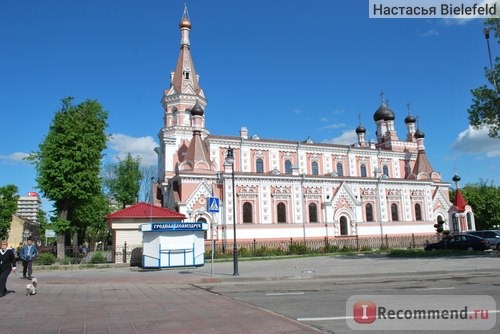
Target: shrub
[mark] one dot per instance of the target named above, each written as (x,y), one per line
(46,259)
(332,249)
(298,248)
(366,249)
(98,257)
(244,251)
(68,260)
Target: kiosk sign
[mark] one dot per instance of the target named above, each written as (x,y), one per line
(173,226)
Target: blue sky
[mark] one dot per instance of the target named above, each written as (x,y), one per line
(285,69)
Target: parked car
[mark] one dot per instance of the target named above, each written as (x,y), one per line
(460,242)
(493,237)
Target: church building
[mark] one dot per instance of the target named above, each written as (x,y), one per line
(278,189)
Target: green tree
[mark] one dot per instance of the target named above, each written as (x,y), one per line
(91,220)
(485,108)
(8,207)
(484,199)
(43,223)
(125,183)
(68,161)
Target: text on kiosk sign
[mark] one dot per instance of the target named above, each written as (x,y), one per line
(185,226)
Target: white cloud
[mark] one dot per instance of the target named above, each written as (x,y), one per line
(15,157)
(335,126)
(430,32)
(136,146)
(347,137)
(477,142)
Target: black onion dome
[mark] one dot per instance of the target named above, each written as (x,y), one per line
(360,129)
(456,178)
(197,110)
(410,119)
(383,113)
(419,134)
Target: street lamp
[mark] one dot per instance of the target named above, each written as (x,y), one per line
(230,161)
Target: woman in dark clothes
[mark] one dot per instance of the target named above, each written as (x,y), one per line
(7,264)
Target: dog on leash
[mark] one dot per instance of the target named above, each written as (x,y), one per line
(32,287)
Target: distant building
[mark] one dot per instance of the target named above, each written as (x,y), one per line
(21,229)
(28,206)
(292,189)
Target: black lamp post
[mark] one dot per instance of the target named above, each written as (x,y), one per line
(230,161)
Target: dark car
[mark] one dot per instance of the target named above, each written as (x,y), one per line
(460,242)
(493,237)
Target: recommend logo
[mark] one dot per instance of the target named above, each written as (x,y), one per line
(417,312)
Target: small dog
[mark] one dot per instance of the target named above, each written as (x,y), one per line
(32,287)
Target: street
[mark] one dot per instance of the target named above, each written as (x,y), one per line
(321,302)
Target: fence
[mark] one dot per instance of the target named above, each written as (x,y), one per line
(325,245)
(132,253)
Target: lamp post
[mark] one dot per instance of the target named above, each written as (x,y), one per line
(378,175)
(230,161)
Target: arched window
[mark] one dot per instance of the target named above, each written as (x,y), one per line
(314,168)
(313,213)
(469,222)
(369,212)
(288,167)
(344,230)
(385,170)
(281,213)
(340,169)
(394,212)
(418,212)
(247,212)
(259,165)
(363,170)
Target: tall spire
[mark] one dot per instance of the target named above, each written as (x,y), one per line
(184,78)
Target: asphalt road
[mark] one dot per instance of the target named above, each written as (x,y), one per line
(320,301)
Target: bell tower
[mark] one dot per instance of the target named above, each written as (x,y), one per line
(183,94)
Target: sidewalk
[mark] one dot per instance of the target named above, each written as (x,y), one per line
(131,300)
(128,300)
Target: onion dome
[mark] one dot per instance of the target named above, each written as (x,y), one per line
(419,134)
(360,129)
(383,113)
(197,110)
(185,23)
(456,178)
(410,119)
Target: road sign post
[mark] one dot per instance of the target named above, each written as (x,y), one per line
(213,206)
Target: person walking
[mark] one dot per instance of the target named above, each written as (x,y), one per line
(27,256)
(7,265)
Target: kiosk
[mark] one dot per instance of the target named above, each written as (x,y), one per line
(173,244)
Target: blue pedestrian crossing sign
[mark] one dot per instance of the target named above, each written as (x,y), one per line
(213,204)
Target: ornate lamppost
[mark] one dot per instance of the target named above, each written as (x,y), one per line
(230,161)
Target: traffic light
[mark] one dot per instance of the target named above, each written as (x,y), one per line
(439,225)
